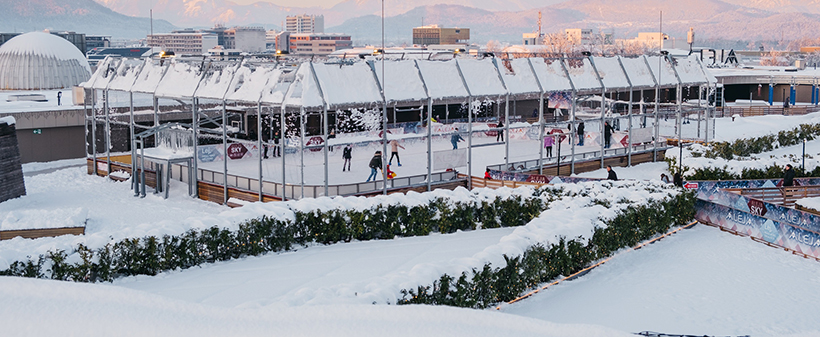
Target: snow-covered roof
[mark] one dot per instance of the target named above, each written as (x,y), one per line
(518,76)
(666,76)
(180,80)
(403,81)
(126,74)
(689,71)
(344,85)
(148,78)
(304,91)
(216,80)
(583,74)
(551,74)
(482,77)
(39,60)
(249,83)
(611,73)
(638,72)
(442,79)
(99,79)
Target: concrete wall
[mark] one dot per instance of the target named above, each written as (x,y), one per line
(50,135)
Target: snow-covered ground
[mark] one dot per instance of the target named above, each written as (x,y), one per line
(699,281)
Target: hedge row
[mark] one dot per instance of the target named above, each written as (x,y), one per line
(481,288)
(150,255)
(748,146)
(769,172)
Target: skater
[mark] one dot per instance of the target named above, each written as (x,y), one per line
(788,176)
(332,135)
(607,134)
(580,132)
(500,133)
(455,138)
(277,152)
(346,155)
(375,164)
(611,175)
(665,178)
(549,141)
(394,152)
(487,175)
(265,139)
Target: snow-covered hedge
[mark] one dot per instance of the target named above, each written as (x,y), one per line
(539,263)
(747,146)
(327,222)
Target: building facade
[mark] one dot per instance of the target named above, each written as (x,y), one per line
(433,34)
(184,42)
(305,24)
(318,44)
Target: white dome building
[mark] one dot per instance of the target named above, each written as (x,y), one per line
(38,60)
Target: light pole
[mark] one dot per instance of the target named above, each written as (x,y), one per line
(804,156)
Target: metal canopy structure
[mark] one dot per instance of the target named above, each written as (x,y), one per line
(280,93)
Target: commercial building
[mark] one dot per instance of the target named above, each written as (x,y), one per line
(305,24)
(531,39)
(318,44)
(184,42)
(270,39)
(97,41)
(433,34)
(579,35)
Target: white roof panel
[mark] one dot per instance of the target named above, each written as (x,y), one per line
(551,74)
(611,73)
(638,72)
(127,73)
(180,80)
(216,80)
(100,78)
(482,77)
(304,91)
(403,81)
(582,74)
(442,79)
(148,78)
(689,71)
(666,76)
(347,84)
(518,76)
(250,81)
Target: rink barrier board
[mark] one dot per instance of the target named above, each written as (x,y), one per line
(41,232)
(720,204)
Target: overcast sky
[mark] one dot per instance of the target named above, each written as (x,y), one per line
(294,3)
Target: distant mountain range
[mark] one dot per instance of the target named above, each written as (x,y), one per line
(82,16)
(501,20)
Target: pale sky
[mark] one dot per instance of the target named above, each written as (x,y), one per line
(294,3)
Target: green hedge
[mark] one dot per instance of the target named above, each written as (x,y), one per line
(748,146)
(481,288)
(150,255)
(769,172)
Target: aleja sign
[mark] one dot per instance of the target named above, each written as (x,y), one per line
(237,151)
(756,207)
(691,186)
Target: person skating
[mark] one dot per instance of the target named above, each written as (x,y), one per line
(455,138)
(375,164)
(347,155)
(611,174)
(549,141)
(500,133)
(394,152)
(580,132)
(607,134)
(487,175)
(277,151)
(265,138)
(390,174)
(788,176)
(332,135)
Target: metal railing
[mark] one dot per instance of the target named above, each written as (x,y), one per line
(532,164)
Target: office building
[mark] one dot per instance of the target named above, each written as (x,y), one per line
(318,44)
(433,34)
(305,24)
(184,42)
